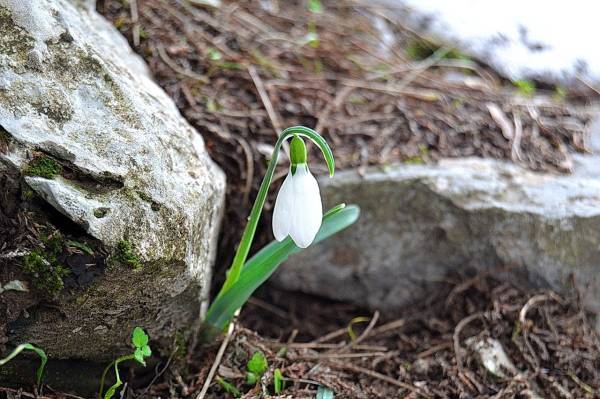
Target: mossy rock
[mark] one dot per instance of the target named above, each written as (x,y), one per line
(125,254)
(101,155)
(43,166)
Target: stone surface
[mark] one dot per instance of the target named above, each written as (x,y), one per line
(419,223)
(132,171)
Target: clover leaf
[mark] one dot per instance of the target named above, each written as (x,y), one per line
(139,337)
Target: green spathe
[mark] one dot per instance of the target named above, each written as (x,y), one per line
(297,151)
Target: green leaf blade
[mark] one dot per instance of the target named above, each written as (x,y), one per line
(146,351)
(277,381)
(264,263)
(40,352)
(81,246)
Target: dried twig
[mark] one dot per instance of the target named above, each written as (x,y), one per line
(339,355)
(391,326)
(217,361)
(502,120)
(260,88)
(515,150)
(135,20)
(158,373)
(532,302)
(268,307)
(379,376)
(456,337)
(167,60)
(331,335)
(333,105)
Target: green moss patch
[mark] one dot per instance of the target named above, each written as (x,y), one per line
(43,267)
(100,212)
(43,166)
(126,255)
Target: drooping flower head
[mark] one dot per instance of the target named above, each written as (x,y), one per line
(298,209)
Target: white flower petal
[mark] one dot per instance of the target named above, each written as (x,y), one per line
(283,211)
(308,212)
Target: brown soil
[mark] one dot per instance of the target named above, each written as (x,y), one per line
(413,354)
(548,338)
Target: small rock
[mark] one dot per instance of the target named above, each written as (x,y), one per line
(14,285)
(493,357)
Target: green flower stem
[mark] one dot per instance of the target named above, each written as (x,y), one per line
(297,151)
(248,235)
(114,363)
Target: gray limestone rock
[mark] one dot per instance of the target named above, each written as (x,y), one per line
(420,222)
(133,171)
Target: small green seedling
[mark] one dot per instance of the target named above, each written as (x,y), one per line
(315,6)
(229,387)
(278,381)
(142,350)
(213,54)
(312,37)
(140,341)
(44,359)
(525,87)
(257,366)
(356,320)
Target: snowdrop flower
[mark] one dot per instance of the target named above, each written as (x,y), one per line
(298,209)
